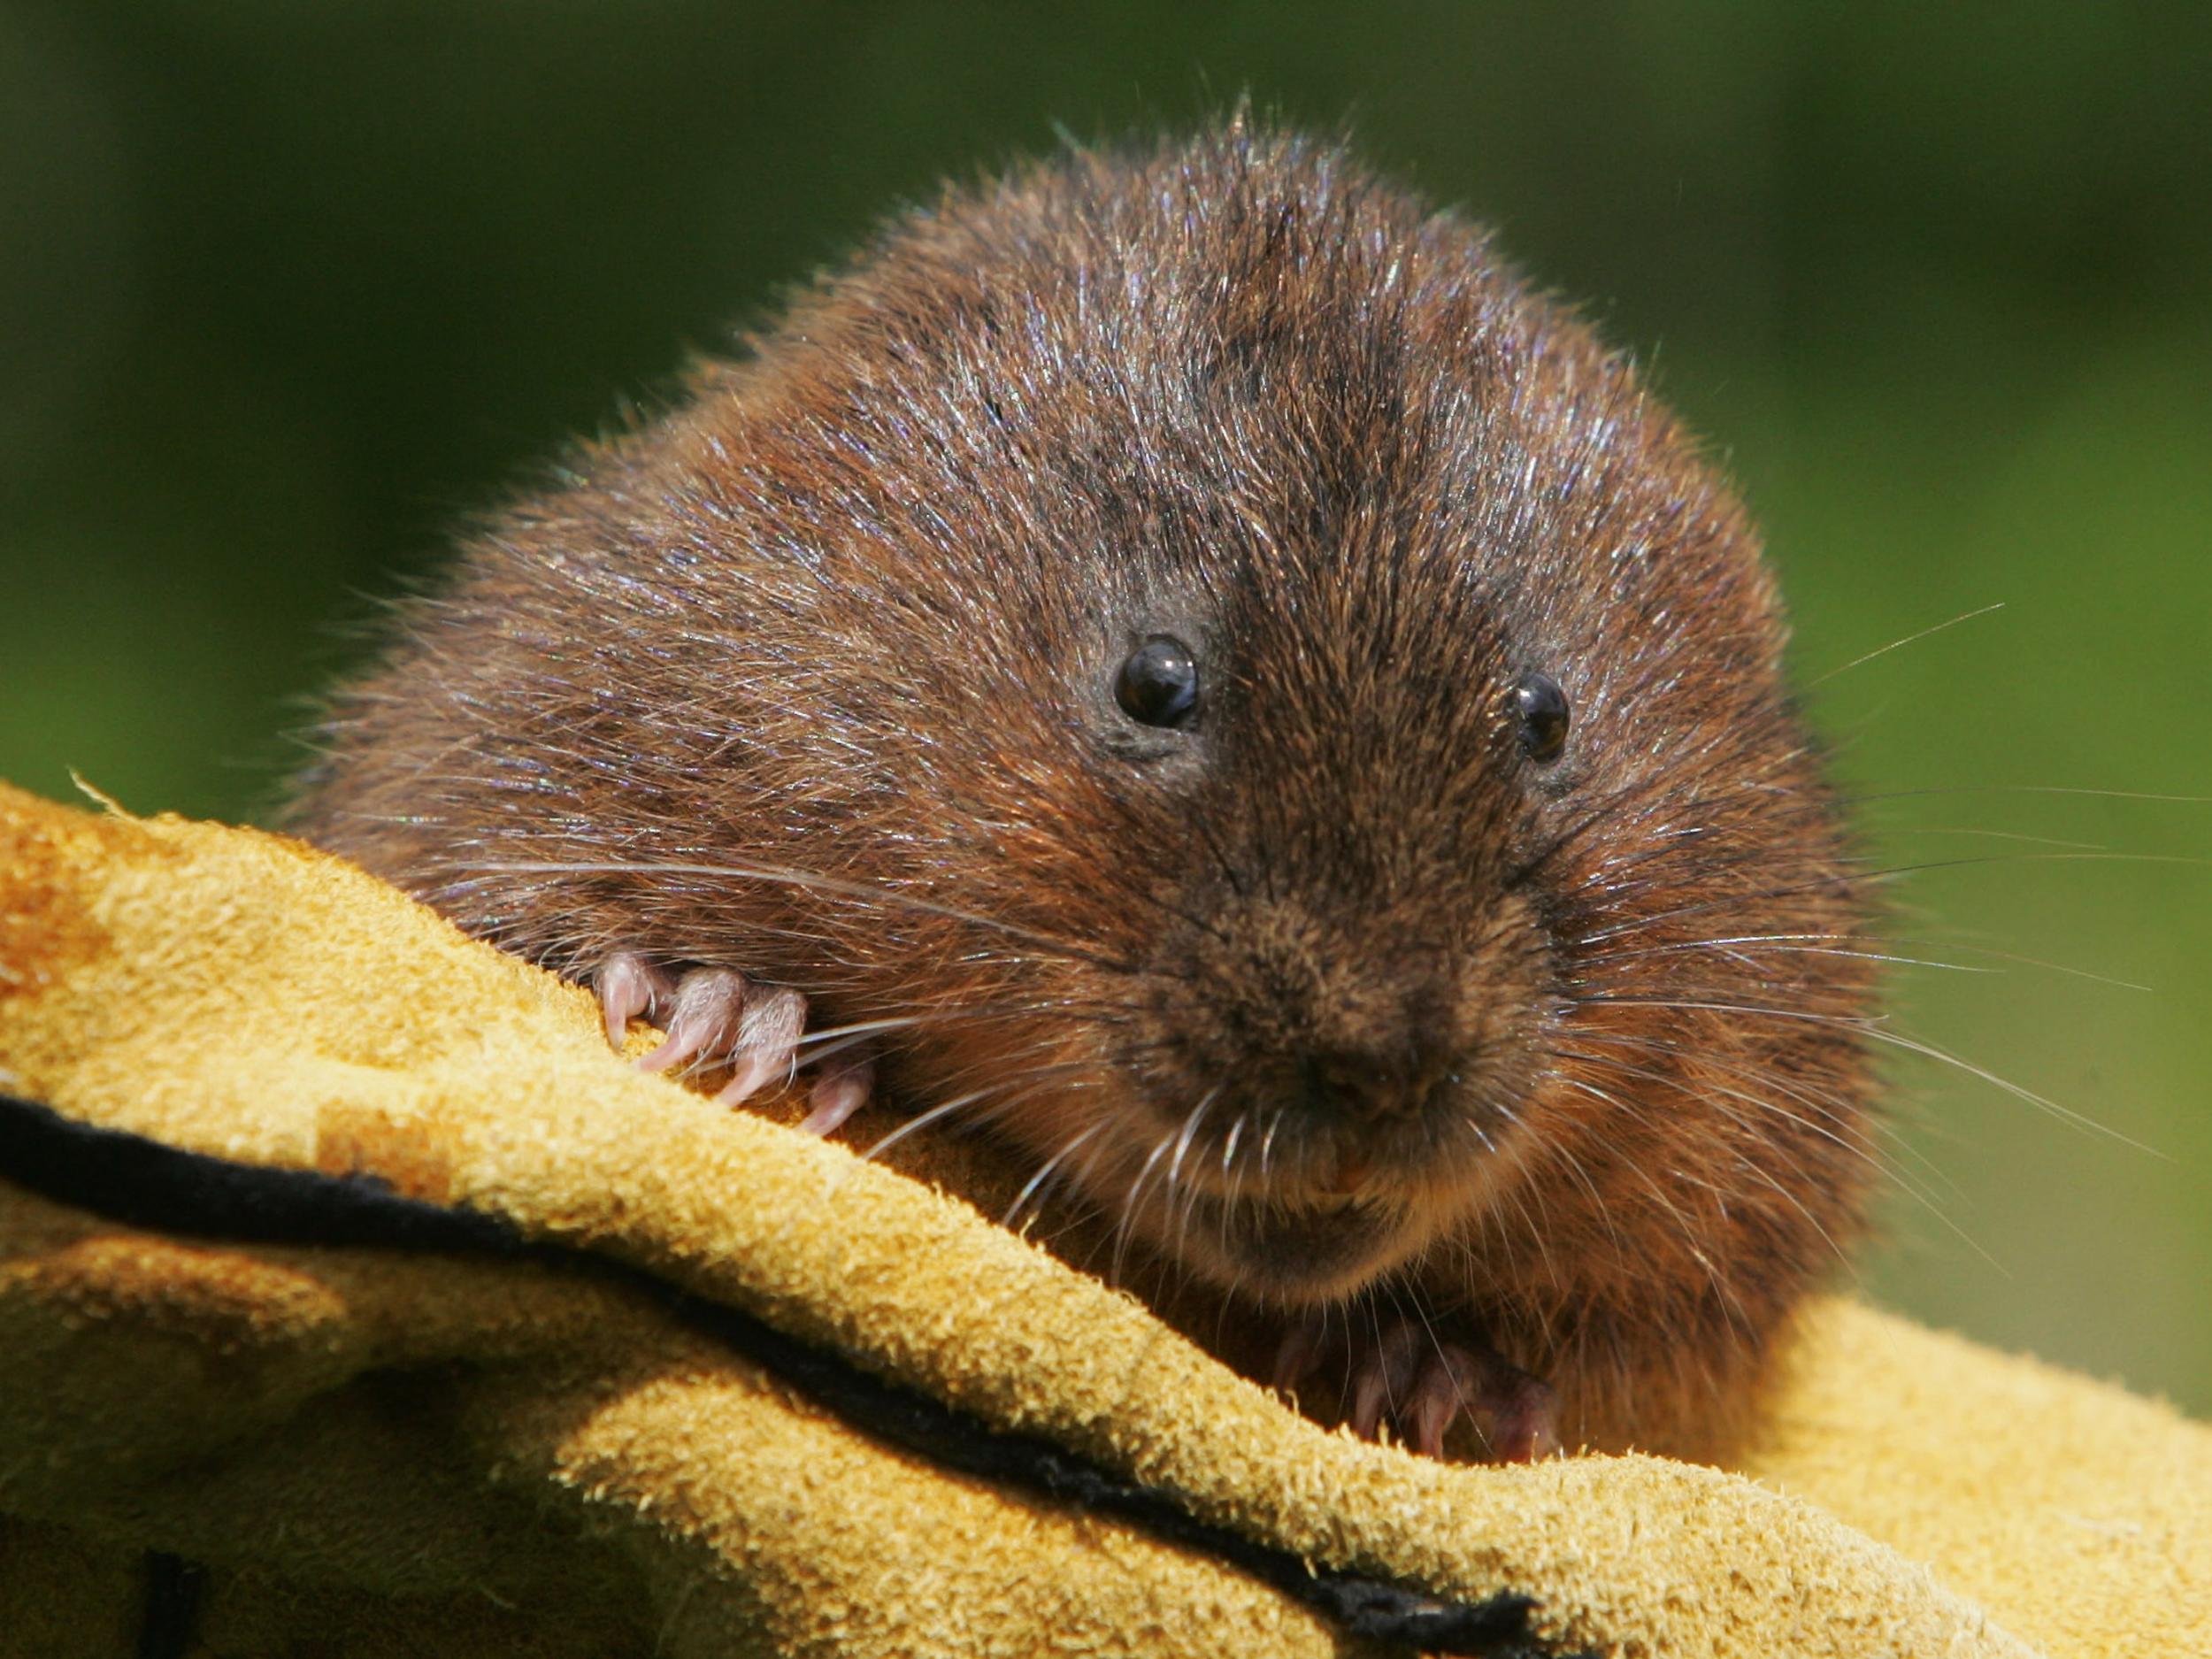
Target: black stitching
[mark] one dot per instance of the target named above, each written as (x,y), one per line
(147,1183)
(170,1615)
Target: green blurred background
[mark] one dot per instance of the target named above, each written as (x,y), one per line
(287,286)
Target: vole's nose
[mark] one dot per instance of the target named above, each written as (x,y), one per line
(1372,1084)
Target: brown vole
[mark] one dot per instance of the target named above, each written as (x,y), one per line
(1243,704)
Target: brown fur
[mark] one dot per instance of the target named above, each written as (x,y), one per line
(1584,1037)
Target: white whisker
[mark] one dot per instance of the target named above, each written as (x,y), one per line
(1909,638)
(1037,1181)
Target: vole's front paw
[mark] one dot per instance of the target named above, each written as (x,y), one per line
(716,1019)
(1422,1378)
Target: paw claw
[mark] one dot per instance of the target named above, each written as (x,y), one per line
(1429,1419)
(705,1028)
(1445,1390)
(1367,1404)
(748,1074)
(1296,1353)
(1380,1379)
(628,987)
(842,1090)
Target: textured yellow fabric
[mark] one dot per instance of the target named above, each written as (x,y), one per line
(390,1451)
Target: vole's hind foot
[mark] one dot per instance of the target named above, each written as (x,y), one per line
(1400,1369)
(1517,1414)
(716,1018)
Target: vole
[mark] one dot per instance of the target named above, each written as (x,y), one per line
(1246,706)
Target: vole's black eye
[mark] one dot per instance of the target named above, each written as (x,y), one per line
(1541,708)
(1158,683)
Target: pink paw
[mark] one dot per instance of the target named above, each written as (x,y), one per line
(717,1020)
(1400,1371)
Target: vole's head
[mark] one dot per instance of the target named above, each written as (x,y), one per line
(1297,734)
(1355,707)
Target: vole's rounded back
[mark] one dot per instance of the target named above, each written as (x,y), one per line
(1191,649)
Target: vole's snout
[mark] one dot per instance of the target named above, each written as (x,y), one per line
(1395,1077)
(1371,1025)
(1319,1084)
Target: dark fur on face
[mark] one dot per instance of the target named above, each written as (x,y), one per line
(1331,990)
